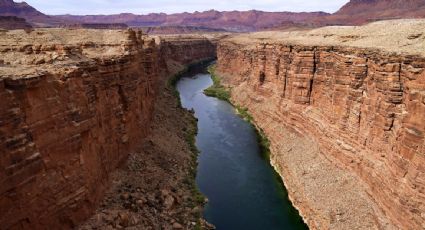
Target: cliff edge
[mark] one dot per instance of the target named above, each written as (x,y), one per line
(343,108)
(74,105)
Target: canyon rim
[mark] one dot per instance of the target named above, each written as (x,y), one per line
(93,135)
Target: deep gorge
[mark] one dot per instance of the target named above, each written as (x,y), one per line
(345,123)
(64,131)
(242,188)
(341,120)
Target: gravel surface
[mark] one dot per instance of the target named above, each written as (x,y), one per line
(406,36)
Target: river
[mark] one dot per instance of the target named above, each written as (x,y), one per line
(243,190)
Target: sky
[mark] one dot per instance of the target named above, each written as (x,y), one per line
(81,7)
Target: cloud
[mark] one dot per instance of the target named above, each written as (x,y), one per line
(174,6)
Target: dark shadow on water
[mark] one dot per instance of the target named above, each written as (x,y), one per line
(244,191)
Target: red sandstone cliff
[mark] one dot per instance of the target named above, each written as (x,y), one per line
(345,119)
(74,104)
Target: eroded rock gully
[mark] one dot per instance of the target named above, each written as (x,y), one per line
(74,104)
(346,126)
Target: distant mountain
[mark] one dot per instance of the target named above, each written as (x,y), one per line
(355,12)
(179,30)
(99,26)
(358,12)
(228,20)
(383,7)
(23,10)
(13,22)
(239,21)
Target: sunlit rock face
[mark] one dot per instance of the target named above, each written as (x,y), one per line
(346,127)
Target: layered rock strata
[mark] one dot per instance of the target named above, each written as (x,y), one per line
(345,122)
(178,51)
(74,104)
(155,188)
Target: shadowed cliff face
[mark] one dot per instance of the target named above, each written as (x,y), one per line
(68,121)
(62,134)
(12,22)
(358,115)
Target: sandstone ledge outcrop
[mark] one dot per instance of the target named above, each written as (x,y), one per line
(74,104)
(346,124)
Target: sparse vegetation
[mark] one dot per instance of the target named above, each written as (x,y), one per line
(171,84)
(243,112)
(197,199)
(264,143)
(217,90)
(262,139)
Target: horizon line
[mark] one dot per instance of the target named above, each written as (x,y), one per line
(188,12)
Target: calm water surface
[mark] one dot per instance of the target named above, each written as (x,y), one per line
(243,189)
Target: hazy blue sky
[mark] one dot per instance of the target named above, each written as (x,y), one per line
(173,6)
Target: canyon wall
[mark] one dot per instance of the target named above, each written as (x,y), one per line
(178,51)
(346,127)
(74,104)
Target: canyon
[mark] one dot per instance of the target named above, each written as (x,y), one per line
(89,125)
(343,109)
(75,104)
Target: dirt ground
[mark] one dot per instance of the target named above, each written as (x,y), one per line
(403,36)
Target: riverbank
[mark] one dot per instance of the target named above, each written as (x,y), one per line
(222,92)
(344,158)
(326,196)
(156,188)
(216,89)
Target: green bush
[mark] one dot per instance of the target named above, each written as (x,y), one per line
(217,90)
(197,198)
(262,139)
